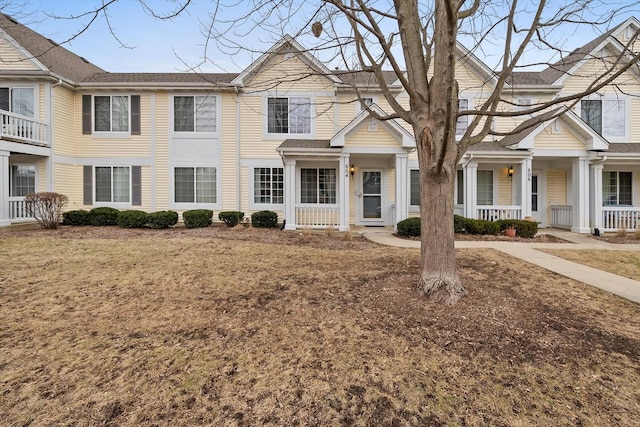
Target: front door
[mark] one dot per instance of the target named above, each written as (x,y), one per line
(371,209)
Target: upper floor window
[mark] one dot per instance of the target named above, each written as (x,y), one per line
(194,113)
(523,104)
(19,100)
(111,113)
(605,116)
(463,122)
(289,115)
(366,100)
(616,188)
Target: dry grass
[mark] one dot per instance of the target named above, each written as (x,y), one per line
(622,263)
(259,327)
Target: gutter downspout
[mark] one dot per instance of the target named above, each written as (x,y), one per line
(238,174)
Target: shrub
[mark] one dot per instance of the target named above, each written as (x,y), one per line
(162,219)
(409,227)
(132,219)
(103,216)
(264,219)
(231,218)
(77,217)
(197,218)
(46,207)
(527,229)
(482,226)
(460,224)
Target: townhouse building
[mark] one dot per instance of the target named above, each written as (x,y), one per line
(288,134)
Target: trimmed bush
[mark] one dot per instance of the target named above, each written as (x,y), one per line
(77,217)
(103,216)
(46,207)
(162,219)
(527,229)
(132,219)
(460,224)
(197,218)
(409,227)
(482,226)
(231,218)
(264,219)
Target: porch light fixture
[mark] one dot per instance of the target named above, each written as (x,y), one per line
(352,170)
(510,171)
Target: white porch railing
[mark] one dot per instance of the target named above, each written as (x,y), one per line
(620,218)
(561,216)
(23,129)
(496,212)
(18,209)
(317,216)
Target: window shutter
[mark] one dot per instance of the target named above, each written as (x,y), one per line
(86,114)
(136,185)
(135,114)
(87,185)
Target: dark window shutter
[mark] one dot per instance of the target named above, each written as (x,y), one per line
(87,185)
(136,185)
(135,114)
(86,114)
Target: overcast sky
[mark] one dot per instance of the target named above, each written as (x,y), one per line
(164,46)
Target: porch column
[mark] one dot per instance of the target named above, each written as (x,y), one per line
(290,194)
(525,188)
(402,187)
(470,189)
(596,187)
(580,186)
(5,219)
(343,191)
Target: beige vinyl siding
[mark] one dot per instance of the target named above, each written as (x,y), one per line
(42,104)
(634,115)
(556,190)
(67,180)
(325,117)
(252,119)
(13,59)
(162,151)
(129,146)
(590,69)
(548,140)
(284,73)
(504,186)
(229,160)
(363,137)
(63,111)
(145,176)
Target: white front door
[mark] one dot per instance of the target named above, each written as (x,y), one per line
(371,209)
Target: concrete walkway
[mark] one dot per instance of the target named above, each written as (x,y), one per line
(626,288)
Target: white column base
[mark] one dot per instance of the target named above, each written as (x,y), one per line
(344,228)
(290,227)
(581,230)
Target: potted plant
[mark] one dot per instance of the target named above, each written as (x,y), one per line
(510,231)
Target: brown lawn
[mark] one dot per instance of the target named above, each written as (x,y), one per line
(622,263)
(109,327)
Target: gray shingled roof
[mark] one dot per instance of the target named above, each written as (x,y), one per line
(56,58)
(306,143)
(624,147)
(214,78)
(363,78)
(488,146)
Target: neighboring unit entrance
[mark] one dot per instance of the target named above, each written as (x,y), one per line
(371,196)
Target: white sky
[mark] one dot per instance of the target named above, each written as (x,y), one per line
(165,46)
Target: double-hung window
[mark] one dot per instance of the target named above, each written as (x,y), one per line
(111,113)
(23,180)
(485,187)
(318,186)
(113,184)
(19,100)
(268,185)
(463,121)
(605,116)
(616,188)
(194,113)
(195,185)
(289,115)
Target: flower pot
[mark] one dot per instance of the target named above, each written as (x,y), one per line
(510,232)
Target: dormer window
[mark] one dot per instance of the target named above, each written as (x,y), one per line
(18,100)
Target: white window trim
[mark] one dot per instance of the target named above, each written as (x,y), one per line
(195,134)
(188,206)
(289,95)
(104,133)
(263,206)
(469,118)
(627,111)
(117,205)
(519,107)
(36,97)
(374,100)
(299,184)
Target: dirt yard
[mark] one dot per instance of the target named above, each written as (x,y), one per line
(235,327)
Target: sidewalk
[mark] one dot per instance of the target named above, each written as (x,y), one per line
(621,286)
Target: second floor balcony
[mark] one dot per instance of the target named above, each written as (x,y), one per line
(19,128)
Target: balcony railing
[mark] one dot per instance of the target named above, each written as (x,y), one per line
(16,127)
(561,216)
(616,218)
(18,209)
(496,212)
(317,216)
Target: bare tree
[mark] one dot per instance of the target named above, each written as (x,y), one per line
(421,42)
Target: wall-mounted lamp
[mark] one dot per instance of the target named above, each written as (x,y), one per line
(352,170)
(510,171)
